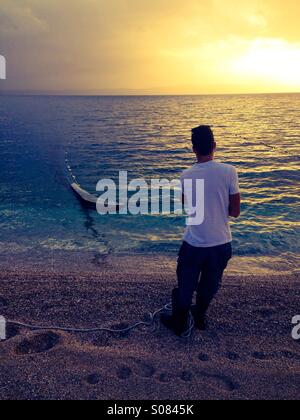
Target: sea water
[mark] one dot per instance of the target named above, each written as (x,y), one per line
(150,138)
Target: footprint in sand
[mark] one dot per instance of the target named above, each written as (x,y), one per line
(145,370)
(164,378)
(261,356)
(234,357)
(38,344)
(289,355)
(93,379)
(227,383)
(124,373)
(11,331)
(186,376)
(3,302)
(204,357)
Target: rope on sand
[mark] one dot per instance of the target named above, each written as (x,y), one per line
(150,323)
(96,329)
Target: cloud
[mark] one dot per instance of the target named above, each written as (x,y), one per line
(18,18)
(102,44)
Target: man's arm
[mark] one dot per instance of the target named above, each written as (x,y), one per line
(235,205)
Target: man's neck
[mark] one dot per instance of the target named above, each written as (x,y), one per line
(205,159)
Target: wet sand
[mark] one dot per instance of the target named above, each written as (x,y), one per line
(247,352)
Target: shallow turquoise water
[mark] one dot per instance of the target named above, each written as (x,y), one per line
(149,137)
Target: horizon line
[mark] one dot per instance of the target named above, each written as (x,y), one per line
(102,94)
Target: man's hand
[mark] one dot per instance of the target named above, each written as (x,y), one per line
(235,205)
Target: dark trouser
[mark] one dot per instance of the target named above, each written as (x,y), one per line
(201,270)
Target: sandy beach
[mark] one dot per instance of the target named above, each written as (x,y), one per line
(247,352)
(133,132)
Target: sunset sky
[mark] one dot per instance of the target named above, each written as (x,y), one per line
(151,46)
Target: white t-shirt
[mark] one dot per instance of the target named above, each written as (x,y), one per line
(220,181)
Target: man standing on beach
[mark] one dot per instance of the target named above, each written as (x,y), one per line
(207,248)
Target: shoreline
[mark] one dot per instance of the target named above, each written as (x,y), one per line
(73,262)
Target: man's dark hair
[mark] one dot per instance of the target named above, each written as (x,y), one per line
(203,140)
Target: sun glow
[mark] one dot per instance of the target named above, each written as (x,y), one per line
(272,61)
(151,46)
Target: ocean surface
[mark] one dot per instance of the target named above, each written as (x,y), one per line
(150,138)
